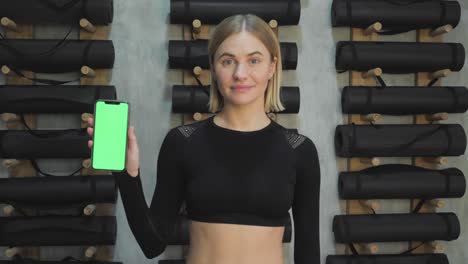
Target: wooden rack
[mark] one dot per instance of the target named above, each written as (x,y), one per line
(90,76)
(24,168)
(356,164)
(18,168)
(422,79)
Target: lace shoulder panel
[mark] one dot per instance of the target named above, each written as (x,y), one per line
(188,129)
(293,137)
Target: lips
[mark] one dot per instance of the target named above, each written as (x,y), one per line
(241,88)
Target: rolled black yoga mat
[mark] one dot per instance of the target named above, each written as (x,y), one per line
(387,259)
(58,144)
(51,191)
(401,181)
(34,55)
(52,98)
(403,100)
(98,12)
(193,98)
(395,227)
(400,140)
(394,14)
(57,230)
(399,57)
(214,11)
(188,54)
(181,234)
(369,259)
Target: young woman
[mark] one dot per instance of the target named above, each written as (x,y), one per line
(239,172)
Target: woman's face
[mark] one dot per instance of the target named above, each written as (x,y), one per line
(242,67)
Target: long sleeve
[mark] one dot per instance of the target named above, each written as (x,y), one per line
(305,207)
(153,226)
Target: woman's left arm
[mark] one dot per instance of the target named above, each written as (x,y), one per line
(305,207)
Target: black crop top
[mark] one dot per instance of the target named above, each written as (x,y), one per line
(229,176)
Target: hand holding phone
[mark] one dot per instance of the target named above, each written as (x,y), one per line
(109,153)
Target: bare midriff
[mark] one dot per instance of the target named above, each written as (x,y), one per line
(215,243)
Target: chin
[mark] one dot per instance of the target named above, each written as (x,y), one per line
(239,100)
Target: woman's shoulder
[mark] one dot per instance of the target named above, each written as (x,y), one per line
(187,130)
(292,136)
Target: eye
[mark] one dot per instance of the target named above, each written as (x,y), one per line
(227,62)
(254,61)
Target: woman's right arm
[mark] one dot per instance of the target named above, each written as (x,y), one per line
(153,227)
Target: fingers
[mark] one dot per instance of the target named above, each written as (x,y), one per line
(132,140)
(131,134)
(90,143)
(91,121)
(90,131)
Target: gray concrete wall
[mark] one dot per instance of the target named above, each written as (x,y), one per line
(141,31)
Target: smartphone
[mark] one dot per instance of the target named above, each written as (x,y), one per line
(110,135)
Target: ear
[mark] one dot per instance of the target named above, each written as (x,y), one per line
(272,67)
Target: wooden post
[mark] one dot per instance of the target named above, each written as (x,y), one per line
(370,161)
(370,204)
(21,168)
(89,210)
(355,164)
(441,30)
(90,252)
(374,28)
(88,72)
(8,210)
(7,71)
(196,27)
(95,77)
(86,25)
(9,24)
(201,31)
(422,79)
(10,117)
(370,117)
(372,73)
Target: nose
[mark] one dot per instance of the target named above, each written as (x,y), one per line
(241,72)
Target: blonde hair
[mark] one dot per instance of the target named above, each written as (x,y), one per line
(261,30)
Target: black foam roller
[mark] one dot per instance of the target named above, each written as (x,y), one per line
(185,54)
(395,227)
(57,230)
(388,259)
(18,144)
(49,191)
(403,100)
(395,15)
(33,55)
(213,11)
(98,12)
(52,98)
(181,234)
(401,181)
(400,140)
(192,99)
(399,57)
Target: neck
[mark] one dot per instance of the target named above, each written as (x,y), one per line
(243,118)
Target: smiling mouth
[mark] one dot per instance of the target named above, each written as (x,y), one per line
(242,87)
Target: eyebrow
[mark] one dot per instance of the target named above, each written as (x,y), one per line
(232,55)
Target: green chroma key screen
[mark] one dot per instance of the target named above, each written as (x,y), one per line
(110,135)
